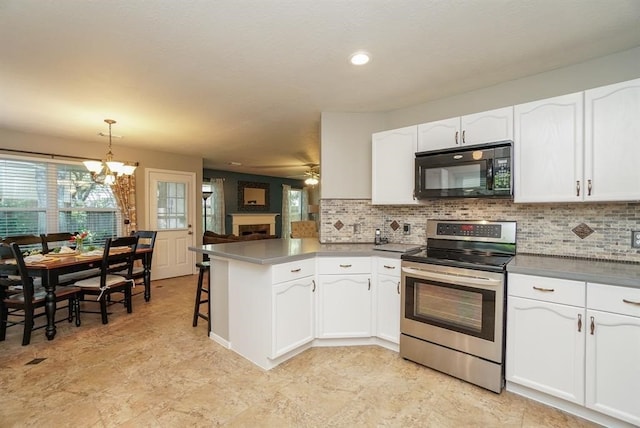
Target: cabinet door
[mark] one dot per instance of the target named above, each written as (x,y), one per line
(612,142)
(344,306)
(548,150)
(487,126)
(441,134)
(612,374)
(393,157)
(292,315)
(545,347)
(388,308)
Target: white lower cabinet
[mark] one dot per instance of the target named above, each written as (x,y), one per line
(613,351)
(292,315)
(388,299)
(344,297)
(576,341)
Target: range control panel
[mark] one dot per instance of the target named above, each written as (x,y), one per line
(472,230)
(465,229)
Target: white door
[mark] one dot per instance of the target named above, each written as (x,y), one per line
(171,196)
(441,134)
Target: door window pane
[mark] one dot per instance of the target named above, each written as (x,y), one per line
(172,205)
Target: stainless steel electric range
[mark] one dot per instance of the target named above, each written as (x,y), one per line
(454,300)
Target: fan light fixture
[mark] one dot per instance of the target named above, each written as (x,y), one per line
(313,179)
(107,171)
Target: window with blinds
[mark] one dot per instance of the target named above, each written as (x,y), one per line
(50,196)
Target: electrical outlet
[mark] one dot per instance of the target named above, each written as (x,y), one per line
(406,229)
(635,239)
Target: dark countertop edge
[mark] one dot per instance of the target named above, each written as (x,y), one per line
(586,275)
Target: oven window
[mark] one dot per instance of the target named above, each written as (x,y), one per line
(453,307)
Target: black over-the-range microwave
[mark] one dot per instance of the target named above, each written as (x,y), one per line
(479,171)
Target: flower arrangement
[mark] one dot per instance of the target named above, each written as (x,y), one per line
(79,239)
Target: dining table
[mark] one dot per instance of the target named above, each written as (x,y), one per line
(51,266)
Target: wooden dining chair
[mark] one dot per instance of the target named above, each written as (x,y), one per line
(117,257)
(27,242)
(21,306)
(51,241)
(146,239)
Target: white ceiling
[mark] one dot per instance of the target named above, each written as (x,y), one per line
(245,81)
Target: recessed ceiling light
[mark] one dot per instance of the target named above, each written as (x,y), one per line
(359,58)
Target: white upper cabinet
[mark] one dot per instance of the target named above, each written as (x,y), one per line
(579,147)
(548,150)
(612,142)
(478,128)
(393,156)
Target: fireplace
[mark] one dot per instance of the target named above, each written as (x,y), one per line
(248,223)
(248,229)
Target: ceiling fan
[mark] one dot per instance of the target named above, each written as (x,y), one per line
(311,176)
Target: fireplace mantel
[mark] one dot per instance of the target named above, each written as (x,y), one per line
(253,218)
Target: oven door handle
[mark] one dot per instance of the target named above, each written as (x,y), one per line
(453,278)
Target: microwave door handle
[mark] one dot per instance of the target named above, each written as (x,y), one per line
(489,174)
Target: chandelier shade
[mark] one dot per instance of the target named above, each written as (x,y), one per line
(105,172)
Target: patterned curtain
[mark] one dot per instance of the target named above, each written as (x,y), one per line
(124,190)
(217,206)
(286,223)
(305,204)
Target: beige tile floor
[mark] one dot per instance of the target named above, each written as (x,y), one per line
(153,369)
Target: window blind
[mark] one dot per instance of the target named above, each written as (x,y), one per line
(51,196)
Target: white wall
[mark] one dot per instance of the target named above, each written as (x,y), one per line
(346,137)
(345,153)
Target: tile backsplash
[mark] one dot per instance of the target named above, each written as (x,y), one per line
(601,230)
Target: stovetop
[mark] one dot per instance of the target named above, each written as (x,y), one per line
(491,262)
(480,245)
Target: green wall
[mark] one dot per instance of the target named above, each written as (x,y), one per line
(231,192)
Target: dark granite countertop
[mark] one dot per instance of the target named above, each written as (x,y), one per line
(602,272)
(275,251)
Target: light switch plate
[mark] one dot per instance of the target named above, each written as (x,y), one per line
(635,239)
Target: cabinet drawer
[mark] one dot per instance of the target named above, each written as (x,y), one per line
(610,298)
(293,270)
(386,266)
(552,290)
(343,265)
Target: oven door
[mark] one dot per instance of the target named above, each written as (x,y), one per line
(458,308)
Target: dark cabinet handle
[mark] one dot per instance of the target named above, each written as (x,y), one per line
(398,287)
(345,266)
(456,137)
(295,270)
(547,290)
(588,187)
(578,188)
(313,290)
(463,132)
(369,287)
(593,325)
(579,322)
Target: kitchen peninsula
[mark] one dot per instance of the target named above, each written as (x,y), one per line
(272,299)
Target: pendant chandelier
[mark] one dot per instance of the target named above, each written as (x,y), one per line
(107,171)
